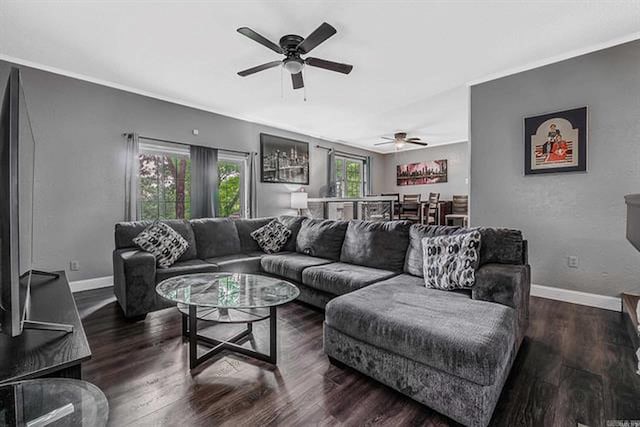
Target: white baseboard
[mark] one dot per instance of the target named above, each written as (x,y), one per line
(88,284)
(577,297)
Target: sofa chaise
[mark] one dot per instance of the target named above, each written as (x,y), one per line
(450,350)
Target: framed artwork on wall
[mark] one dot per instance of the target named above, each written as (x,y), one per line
(430,172)
(556,142)
(283,160)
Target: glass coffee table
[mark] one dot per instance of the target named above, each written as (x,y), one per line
(53,402)
(227,298)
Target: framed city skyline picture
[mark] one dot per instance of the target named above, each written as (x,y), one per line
(556,142)
(283,160)
(430,172)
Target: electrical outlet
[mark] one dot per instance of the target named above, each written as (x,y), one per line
(74,265)
(572,261)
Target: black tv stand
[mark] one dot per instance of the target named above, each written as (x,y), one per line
(37,354)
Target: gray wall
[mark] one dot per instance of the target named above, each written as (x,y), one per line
(580,214)
(457,156)
(79,193)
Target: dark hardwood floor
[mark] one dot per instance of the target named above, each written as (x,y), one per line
(575,366)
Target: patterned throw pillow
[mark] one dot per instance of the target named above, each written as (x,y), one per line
(163,242)
(272,237)
(450,261)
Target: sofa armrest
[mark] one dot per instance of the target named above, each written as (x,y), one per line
(505,284)
(134,279)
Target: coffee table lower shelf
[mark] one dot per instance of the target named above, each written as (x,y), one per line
(191,314)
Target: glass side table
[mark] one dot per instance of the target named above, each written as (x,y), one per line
(227,298)
(58,402)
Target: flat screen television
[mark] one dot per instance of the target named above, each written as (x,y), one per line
(17,156)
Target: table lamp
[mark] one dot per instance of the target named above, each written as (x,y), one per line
(299,201)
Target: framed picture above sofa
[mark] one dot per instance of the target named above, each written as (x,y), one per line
(283,160)
(556,142)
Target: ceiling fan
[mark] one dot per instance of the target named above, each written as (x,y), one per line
(292,46)
(400,139)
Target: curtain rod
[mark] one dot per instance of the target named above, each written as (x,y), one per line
(344,153)
(186,143)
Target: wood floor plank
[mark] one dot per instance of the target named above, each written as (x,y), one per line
(580,398)
(575,365)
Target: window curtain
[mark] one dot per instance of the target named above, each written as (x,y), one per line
(331,173)
(204,182)
(131,211)
(253,185)
(367,170)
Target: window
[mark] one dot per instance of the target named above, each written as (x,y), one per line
(232,186)
(164,181)
(350,177)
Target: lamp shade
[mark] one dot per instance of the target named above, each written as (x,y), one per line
(299,200)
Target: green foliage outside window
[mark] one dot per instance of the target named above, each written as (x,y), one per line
(349,177)
(229,189)
(164,186)
(164,182)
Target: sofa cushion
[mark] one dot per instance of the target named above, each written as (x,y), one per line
(376,244)
(215,237)
(411,280)
(125,232)
(247,226)
(272,237)
(460,336)
(163,242)
(413,263)
(501,246)
(450,262)
(290,265)
(185,267)
(238,263)
(321,238)
(340,278)
(293,223)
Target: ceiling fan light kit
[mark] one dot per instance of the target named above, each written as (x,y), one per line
(292,47)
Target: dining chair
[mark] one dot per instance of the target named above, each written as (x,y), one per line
(459,210)
(396,204)
(410,207)
(432,209)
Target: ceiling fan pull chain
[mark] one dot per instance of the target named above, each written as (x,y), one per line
(304,74)
(281,84)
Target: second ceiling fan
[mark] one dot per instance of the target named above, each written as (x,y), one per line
(400,139)
(292,47)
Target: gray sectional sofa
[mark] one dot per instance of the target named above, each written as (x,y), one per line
(451,350)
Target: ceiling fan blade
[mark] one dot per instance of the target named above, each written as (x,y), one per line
(385,143)
(413,139)
(297,81)
(249,71)
(323,32)
(246,31)
(390,139)
(417,143)
(329,65)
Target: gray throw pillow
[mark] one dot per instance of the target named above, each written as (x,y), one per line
(272,237)
(450,262)
(163,242)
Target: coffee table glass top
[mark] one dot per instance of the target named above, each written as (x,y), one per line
(53,402)
(227,290)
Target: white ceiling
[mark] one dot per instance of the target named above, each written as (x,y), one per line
(412,60)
